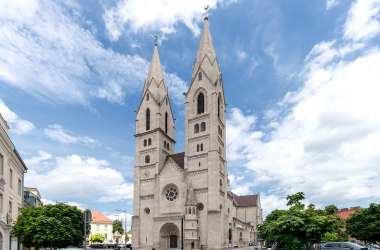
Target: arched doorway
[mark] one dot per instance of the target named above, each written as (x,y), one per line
(169,236)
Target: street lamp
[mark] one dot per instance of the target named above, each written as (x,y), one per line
(125,222)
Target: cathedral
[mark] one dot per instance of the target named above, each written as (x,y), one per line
(183,200)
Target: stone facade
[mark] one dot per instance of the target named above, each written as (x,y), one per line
(184,198)
(12,169)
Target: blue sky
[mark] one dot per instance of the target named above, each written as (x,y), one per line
(301,81)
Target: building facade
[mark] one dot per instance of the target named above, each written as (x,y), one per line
(184,198)
(32,197)
(12,169)
(100,224)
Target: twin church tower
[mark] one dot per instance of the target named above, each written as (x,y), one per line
(184,198)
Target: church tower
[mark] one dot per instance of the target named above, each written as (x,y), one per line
(154,142)
(205,154)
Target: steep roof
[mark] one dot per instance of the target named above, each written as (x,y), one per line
(206,47)
(99,217)
(245,200)
(155,71)
(191,199)
(179,158)
(346,213)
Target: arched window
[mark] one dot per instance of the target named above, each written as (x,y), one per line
(219,106)
(147,159)
(166,100)
(166,122)
(196,128)
(149,141)
(147,97)
(201,146)
(199,76)
(145,143)
(201,104)
(168,146)
(220,150)
(147,117)
(203,126)
(220,183)
(189,211)
(193,210)
(197,147)
(164,144)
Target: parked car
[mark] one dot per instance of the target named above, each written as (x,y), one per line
(341,246)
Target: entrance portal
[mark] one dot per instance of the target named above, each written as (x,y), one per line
(169,236)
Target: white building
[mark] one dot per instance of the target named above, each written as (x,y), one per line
(185,196)
(12,170)
(100,224)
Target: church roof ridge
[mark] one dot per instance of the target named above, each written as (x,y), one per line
(179,158)
(245,200)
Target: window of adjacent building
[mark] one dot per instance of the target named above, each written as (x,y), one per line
(196,128)
(105,235)
(97,227)
(1,203)
(1,165)
(10,177)
(203,126)
(166,122)
(19,187)
(147,119)
(201,104)
(147,159)
(219,106)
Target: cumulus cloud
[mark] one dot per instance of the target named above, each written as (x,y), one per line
(36,160)
(60,60)
(17,125)
(327,142)
(56,132)
(74,178)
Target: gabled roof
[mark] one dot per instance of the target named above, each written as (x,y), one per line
(245,200)
(179,158)
(99,217)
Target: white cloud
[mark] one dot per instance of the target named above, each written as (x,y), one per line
(327,142)
(53,202)
(332,3)
(76,178)
(363,22)
(56,132)
(17,125)
(58,59)
(36,160)
(159,16)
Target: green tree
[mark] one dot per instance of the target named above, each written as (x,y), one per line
(117,227)
(298,227)
(54,226)
(97,238)
(365,224)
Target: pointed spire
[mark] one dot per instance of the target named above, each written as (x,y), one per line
(205,46)
(155,71)
(190,199)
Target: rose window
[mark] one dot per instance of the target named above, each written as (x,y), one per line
(171,194)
